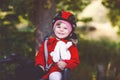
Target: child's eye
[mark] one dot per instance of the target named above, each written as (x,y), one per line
(65,28)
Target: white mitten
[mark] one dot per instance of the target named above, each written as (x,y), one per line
(61,51)
(55,54)
(65,53)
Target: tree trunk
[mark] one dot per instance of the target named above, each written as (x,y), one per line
(44,10)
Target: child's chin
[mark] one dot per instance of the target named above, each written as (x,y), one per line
(61,37)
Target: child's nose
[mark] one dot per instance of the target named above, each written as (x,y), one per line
(61,29)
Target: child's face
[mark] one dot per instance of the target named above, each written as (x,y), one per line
(61,30)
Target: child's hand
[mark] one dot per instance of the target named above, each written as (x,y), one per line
(61,64)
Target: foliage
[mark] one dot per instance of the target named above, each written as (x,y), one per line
(114,13)
(72,5)
(99,51)
(16,42)
(93,53)
(11,39)
(86,20)
(18,7)
(4,71)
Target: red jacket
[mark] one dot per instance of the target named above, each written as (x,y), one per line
(40,58)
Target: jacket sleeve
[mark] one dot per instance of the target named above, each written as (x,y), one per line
(39,59)
(74,61)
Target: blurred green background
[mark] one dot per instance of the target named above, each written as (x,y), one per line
(23,25)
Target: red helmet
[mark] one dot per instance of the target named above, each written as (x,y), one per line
(67,16)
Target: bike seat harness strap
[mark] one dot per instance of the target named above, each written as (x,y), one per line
(47,67)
